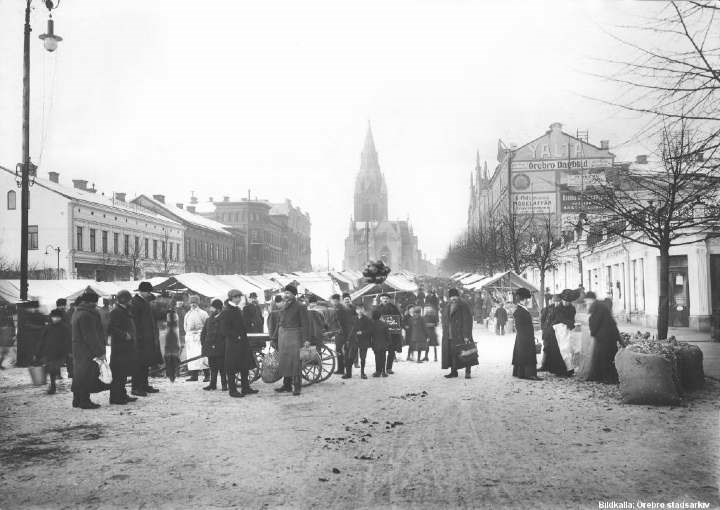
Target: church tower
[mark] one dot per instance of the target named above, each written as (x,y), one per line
(371,200)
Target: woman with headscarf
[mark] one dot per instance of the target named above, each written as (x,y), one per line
(524,358)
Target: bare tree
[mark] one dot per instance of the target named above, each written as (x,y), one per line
(513,234)
(544,247)
(671,204)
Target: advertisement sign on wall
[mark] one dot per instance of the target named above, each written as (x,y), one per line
(534,203)
(561,164)
(533,182)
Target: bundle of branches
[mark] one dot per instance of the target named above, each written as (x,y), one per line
(376,271)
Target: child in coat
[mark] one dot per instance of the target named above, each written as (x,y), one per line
(417,333)
(431,321)
(363,335)
(380,343)
(54,347)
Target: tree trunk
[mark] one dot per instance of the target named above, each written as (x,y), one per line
(663,290)
(542,289)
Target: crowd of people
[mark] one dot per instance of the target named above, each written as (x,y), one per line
(217,341)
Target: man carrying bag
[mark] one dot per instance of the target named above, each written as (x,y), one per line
(457,341)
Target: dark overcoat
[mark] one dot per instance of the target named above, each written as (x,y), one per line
(55,345)
(254,322)
(148,340)
(395,338)
(87,343)
(238,355)
(212,340)
(524,349)
(272,322)
(123,354)
(501,316)
(363,331)
(565,314)
(380,337)
(606,336)
(316,327)
(457,323)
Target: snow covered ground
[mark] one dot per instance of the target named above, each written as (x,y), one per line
(413,440)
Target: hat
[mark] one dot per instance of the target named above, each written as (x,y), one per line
(278,298)
(61,302)
(234,293)
(523,294)
(453,293)
(590,295)
(346,294)
(89,296)
(57,313)
(123,296)
(194,299)
(145,287)
(253,295)
(217,303)
(291,288)
(313,299)
(570,295)
(335,296)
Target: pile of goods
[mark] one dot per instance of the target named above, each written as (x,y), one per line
(376,271)
(657,372)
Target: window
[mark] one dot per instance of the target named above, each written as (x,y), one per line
(79,240)
(104,241)
(177,251)
(11,200)
(126,247)
(155,252)
(147,248)
(163,250)
(92,240)
(32,237)
(137,246)
(116,243)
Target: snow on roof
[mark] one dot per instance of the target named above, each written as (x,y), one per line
(94,198)
(514,280)
(47,291)
(188,217)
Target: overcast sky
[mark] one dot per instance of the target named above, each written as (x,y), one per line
(221,96)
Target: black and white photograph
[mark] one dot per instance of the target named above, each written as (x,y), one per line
(360,254)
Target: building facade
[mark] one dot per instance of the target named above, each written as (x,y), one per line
(87,234)
(210,247)
(371,235)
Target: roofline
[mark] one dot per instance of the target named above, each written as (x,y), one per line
(183,221)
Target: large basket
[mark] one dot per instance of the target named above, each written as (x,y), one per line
(38,375)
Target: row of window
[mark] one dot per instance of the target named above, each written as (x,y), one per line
(130,247)
(208,250)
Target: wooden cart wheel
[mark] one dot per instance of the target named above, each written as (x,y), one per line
(255,373)
(327,363)
(310,373)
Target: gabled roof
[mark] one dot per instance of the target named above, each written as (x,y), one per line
(522,154)
(185,216)
(75,194)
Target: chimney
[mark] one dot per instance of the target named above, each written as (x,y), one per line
(210,199)
(226,199)
(159,198)
(80,184)
(605,144)
(120,197)
(54,177)
(92,190)
(641,159)
(191,208)
(179,205)
(193,198)
(556,126)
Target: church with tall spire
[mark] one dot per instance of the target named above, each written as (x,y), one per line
(479,194)
(371,234)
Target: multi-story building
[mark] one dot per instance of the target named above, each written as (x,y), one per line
(279,233)
(87,234)
(210,246)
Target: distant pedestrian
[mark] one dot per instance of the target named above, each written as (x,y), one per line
(88,345)
(148,342)
(524,358)
(457,331)
(213,346)
(380,342)
(194,321)
(55,343)
(123,349)
(606,337)
(501,318)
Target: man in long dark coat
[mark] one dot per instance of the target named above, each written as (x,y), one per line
(292,333)
(606,337)
(148,341)
(340,319)
(238,355)
(123,354)
(88,346)
(387,310)
(456,330)
(524,359)
(252,314)
(213,346)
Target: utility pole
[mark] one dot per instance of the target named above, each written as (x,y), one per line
(247,236)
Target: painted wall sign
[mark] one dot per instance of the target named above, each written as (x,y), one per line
(571,202)
(534,182)
(534,203)
(561,164)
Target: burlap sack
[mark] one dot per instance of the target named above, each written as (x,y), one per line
(646,379)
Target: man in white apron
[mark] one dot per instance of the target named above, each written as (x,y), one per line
(194,321)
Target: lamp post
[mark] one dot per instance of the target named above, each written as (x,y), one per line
(26,169)
(57,250)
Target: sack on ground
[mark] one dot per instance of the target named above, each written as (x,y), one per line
(466,355)
(646,378)
(271,367)
(690,366)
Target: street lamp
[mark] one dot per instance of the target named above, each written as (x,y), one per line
(55,249)
(50,40)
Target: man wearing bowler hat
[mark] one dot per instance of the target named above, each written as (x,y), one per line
(148,342)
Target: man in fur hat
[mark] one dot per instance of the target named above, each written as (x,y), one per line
(148,341)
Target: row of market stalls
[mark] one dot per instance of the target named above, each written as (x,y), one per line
(498,287)
(321,284)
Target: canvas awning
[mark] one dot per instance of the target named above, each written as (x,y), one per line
(508,280)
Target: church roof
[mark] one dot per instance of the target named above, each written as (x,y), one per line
(369,155)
